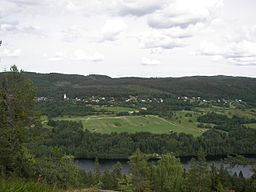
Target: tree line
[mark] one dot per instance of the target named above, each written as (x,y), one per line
(225,123)
(72,138)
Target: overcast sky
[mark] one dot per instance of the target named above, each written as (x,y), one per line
(147,38)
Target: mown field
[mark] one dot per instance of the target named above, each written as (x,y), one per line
(251,125)
(132,124)
(182,121)
(114,109)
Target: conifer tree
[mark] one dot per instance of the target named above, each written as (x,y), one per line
(139,171)
(169,174)
(198,177)
(16,119)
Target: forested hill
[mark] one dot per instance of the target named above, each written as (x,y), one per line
(228,87)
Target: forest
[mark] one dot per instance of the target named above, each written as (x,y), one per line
(38,158)
(71,138)
(55,85)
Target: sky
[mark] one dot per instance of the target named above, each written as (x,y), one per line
(118,38)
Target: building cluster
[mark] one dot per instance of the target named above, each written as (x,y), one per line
(211,101)
(133,100)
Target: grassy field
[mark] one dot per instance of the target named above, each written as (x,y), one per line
(115,109)
(132,124)
(182,121)
(251,125)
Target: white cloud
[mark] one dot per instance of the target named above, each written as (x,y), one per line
(77,55)
(139,7)
(7,8)
(109,27)
(183,13)
(6,27)
(189,31)
(71,6)
(15,27)
(80,54)
(59,56)
(147,61)
(96,57)
(112,29)
(11,53)
(14,7)
(24,3)
(157,39)
(240,53)
(240,33)
(238,46)
(73,33)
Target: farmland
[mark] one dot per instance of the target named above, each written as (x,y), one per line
(133,124)
(184,121)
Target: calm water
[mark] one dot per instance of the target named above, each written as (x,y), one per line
(88,165)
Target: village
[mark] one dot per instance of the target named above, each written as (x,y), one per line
(138,100)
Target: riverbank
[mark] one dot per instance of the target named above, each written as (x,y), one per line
(107,164)
(182,158)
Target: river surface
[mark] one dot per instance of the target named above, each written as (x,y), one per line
(89,165)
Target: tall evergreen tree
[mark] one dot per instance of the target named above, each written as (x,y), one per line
(116,174)
(139,171)
(198,177)
(169,174)
(16,119)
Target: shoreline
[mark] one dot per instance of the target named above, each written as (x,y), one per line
(182,158)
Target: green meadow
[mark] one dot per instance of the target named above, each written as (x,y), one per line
(133,124)
(182,121)
(115,109)
(251,125)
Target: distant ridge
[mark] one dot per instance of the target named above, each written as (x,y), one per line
(56,84)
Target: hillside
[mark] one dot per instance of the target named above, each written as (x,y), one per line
(55,85)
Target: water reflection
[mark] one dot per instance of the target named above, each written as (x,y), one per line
(88,165)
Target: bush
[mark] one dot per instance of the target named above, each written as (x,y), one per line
(21,185)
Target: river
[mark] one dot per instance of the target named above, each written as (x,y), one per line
(88,165)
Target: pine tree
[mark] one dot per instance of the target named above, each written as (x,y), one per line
(169,174)
(97,169)
(198,178)
(125,184)
(139,171)
(216,185)
(116,174)
(16,119)
(107,180)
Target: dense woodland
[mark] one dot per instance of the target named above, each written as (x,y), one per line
(55,85)
(33,158)
(71,137)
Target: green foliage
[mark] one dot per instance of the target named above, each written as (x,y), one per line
(29,150)
(131,124)
(19,122)
(110,179)
(198,177)
(125,183)
(21,185)
(62,108)
(223,122)
(168,175)
(17,117)
(139,171)
(72,139)
(213,118)
(116,174)
(59,171)
(238,160)
(97,170)
(205,87)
